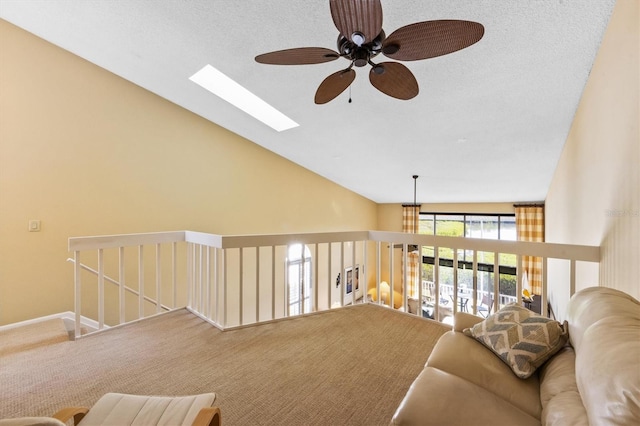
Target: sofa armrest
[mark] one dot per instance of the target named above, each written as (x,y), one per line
(463,320)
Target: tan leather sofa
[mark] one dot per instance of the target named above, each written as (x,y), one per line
(595,379)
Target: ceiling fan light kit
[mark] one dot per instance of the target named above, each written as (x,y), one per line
(362,38)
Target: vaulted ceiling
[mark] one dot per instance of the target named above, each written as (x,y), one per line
(488,124)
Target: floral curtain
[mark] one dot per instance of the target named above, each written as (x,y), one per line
(410,218)
(530,227)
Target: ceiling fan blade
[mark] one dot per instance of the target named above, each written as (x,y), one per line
(298,56)
(429,39)
(394,79)
(363,16)
(333,85)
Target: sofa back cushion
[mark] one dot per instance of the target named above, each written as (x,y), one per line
(604,327)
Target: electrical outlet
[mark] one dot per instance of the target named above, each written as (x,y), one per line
(34,226)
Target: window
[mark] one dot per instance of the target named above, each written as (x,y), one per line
(487,226)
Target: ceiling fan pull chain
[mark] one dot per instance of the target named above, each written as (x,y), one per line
(349,93)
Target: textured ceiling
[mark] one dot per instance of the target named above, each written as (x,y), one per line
(488,125)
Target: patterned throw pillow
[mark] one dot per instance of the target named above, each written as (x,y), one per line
(523,339)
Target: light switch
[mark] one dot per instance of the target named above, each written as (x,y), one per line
(34,226)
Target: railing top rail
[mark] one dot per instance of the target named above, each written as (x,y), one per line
(549,250)
(236,241)
(124,240)
(525,248)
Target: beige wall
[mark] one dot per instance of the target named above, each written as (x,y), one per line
(594,196)
(89,153)
(390,215)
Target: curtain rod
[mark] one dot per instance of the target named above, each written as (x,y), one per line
(411,205)
(529,205)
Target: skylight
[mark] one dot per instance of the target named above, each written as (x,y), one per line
(222,86)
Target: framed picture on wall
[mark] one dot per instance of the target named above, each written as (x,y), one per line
(348,279)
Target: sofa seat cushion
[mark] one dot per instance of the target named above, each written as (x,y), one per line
(523,339)
(440,398)
(561,401)
(462,356)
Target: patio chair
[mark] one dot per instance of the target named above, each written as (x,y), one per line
(485,307)
(124,410)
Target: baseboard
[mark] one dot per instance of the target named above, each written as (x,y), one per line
(68,317)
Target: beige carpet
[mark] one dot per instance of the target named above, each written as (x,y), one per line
(344,367)
(31,336)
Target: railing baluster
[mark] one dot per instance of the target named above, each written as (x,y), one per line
(572,277)
(474,291)
(329,275)
(189,271)
(496,281)
(100,289)
(543,296)
(257,284)
(241,285)
(207,284)
(174,274)
(315,283)
(121,285)
(273,282)
(199,287)
(454,296)
(343,286)
(140,281)
(378,270)
(518,279)
(158,279)
(391,278)
(405,275)
(224,288)
(78,292)
(216,253)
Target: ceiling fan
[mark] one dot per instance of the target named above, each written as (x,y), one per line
(362,38)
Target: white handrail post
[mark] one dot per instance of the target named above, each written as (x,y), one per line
(436,279)
(100,289)
(77,299)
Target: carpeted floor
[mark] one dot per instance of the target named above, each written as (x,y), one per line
(32,336)
(347,366)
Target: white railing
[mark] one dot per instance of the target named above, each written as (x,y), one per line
(233,281)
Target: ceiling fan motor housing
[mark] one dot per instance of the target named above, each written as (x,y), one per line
(360,55)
